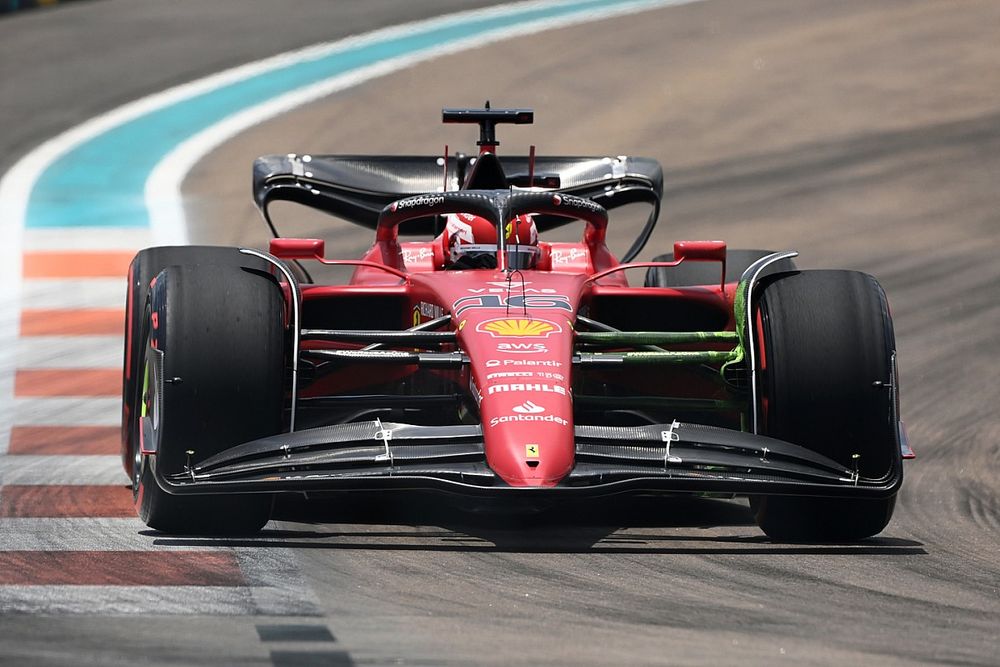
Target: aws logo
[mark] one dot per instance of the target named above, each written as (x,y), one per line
(521,328)
(523,348)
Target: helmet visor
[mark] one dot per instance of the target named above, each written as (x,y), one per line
(522,256)
(484,256)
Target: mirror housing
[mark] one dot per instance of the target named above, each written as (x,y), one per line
(288,248)
(703,251)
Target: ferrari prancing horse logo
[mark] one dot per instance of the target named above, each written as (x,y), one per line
(531,451)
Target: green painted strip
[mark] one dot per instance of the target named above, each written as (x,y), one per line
(653,358)
(655,337)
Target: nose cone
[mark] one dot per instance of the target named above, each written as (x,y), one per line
(526,402)
(518,334)
(529,433)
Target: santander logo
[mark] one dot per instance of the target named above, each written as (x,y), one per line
(528,412)
(528,408)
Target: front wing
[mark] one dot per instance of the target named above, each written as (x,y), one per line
(670,458)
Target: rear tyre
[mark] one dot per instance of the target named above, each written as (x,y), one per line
(144,267)
(212,370)
(827,344)
(707,273)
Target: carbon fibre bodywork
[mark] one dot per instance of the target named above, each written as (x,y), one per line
(676,457)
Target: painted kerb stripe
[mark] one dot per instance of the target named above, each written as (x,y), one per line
(66,501)
(64,441)
(119,568)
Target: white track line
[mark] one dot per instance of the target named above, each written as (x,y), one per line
(86,238)
(129,600)
(75,292)
(156,600)
(81,534)
(69,352)
(67,411)
(42,470)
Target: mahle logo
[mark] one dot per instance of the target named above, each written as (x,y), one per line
(519,328)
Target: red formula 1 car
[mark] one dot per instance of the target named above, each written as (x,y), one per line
(486,362)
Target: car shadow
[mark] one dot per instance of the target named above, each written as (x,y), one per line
(626,525)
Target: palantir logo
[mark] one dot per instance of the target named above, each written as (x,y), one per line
(528,408)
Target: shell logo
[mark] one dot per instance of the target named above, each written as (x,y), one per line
(518,328)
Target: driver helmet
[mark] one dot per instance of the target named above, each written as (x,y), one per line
(471,242)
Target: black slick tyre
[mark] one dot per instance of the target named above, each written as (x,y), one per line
(144,267)
(211,376)
(827,344)
(707,273)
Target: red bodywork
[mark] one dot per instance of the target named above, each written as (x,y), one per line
(545,377)
(516,329)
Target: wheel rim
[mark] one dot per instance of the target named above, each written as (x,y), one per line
(149,406)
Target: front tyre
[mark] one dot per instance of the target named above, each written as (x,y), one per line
(144,267)
(212,375)
(827,345)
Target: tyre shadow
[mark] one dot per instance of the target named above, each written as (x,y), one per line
(627,525)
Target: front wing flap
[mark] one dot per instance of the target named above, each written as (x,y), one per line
(676,457)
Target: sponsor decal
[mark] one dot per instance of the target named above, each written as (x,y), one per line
(503,287)
(499,375)
(567,256)
(523,301)
(531,451)
(422,200)
(528,417)
(522,348)
(510,374)
(519,387)
(410,255)
(494,363)
(426,311)
(430,310)
(528,408)
(518,328)
(365,354)
(578,202)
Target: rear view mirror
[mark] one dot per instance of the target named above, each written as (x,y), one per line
(703,251)
(286,248)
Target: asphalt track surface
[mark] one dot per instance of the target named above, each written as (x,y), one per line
(864,136)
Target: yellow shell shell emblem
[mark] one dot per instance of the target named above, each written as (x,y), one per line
(524,328)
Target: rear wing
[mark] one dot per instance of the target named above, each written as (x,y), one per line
(357,187)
